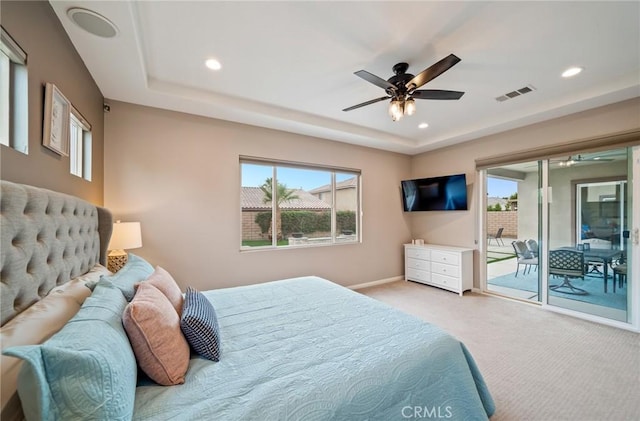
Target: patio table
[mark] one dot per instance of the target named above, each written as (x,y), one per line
(606,256)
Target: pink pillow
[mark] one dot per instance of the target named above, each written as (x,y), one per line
(153,328)
(162,280)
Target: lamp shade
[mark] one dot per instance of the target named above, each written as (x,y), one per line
(126,235)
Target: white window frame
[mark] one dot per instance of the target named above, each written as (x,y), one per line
(80,145)
(14,112)
(306,166)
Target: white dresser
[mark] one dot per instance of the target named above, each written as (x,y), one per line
(446,267)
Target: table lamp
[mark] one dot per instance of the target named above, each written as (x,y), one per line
(126,235)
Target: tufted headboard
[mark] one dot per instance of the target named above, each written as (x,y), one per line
(46,239)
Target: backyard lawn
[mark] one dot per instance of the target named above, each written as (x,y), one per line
(262,243)
(497,256)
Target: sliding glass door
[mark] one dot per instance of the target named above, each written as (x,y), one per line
(588,229)
(575,217)
(513,230)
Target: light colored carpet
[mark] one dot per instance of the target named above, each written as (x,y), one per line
(539,365)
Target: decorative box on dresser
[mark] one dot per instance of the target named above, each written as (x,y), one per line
(446,267)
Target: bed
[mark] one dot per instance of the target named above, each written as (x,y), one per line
(302,348)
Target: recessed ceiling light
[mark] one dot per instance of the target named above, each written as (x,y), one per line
(571,71)
(92,22)
(213,64)
(423,125)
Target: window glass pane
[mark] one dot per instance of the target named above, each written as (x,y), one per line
(87,148)
(13,95)
(256,212)
(79,146)
(305,216)
(4,98)
(19,113)
(346,207)
(74,148)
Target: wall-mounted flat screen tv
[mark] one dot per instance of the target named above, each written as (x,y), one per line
(444,193)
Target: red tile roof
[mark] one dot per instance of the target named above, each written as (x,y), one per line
(346,184)
(252,198)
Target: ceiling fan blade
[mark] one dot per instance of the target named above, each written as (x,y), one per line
(378,81)
(436,94)
(433,71)
(373,101)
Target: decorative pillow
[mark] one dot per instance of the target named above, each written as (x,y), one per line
(40,321)
(153,327)
(162,280)
(135,270)
(200,325)
(85,371)
(91,278)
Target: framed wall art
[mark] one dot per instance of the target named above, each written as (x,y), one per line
(55,131)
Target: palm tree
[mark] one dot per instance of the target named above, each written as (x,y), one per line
(283,194)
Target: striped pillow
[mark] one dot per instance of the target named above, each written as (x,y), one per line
(200,325)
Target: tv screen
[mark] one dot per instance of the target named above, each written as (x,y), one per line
(435,194)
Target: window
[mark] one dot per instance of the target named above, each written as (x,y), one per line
(13,95)
(79,145)
(290,204)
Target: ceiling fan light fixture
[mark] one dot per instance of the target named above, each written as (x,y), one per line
(396,109)
(410,106)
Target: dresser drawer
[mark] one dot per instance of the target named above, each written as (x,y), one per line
(418,253)
(445,257)
(418,275)
(443,269)
(445,281)
(418,264)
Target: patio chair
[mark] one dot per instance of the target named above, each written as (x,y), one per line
(497,237)
(568,264)
(619,271)
(532,245)
(524,256)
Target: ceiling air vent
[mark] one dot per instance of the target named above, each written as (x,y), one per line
(516,93)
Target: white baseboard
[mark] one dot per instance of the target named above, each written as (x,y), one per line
(378,282)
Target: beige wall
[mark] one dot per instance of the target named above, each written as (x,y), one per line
(346,199)
(561,224)
(460,228)
(51,57)
(179,176)
(528,207)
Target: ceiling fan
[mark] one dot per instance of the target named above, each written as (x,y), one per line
(402,88)
(572,160)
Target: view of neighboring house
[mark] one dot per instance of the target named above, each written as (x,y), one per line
(252,203)
(346,194)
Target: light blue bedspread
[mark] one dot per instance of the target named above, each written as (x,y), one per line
(308,349)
